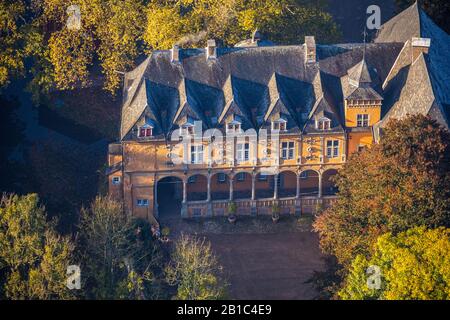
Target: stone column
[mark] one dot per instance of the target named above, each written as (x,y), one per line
(209,188)
(184,191)
(155,200)
(275,180)
(320,184)
(231,188)
(297,195)
(253,186)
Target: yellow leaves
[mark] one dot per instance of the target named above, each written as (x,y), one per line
(71,56)
(414,264)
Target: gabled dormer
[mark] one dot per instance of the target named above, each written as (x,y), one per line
(145,131)
(363,100)
(323,118)
(233,113)
(234,124)
(279,123)
(187,126)
(278,116)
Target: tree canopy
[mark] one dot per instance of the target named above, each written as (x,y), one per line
(414,264)
(401,183)
(113,33)
(33,256)
(195,271)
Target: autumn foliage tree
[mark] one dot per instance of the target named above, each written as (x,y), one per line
(114,33)
(401,183)
(195,271)
(192,22)
(33,256)
(414,264)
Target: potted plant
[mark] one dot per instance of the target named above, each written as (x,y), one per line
(232,208)
(275,212)
(165,234)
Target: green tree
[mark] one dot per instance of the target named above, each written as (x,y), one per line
(117,254)
(414,264)
(438,10)
(191,22)
(401,183)
(195,271)
(32,255)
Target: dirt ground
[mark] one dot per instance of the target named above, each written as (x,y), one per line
(261,260)
(268,266)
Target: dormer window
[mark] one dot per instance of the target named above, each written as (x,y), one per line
(323,124)
(235,124)
(145,131)
(279,125)
(234,127)
(186,130)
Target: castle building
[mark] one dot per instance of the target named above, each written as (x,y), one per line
(194,121)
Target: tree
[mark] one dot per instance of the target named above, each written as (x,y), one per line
(32,255)
(401,183)
(11,36)
(438,10)
(195,271)
(117,253)
(414,265)
(189,22)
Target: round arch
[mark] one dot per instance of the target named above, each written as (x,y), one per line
(309,183)
(287,184)
(169,196)
(242,185)
(197,187)
(220,186)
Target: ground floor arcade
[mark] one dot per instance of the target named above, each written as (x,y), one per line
(209,194)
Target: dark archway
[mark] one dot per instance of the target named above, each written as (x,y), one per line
(242,186)
(309,183)
(197,188)
(328,184)
(264,186)
(169,196)
(220,186)
(287,184)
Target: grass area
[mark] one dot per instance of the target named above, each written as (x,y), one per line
(244,225)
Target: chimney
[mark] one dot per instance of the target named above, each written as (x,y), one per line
(175,54)
(419,45)
(211,49)
(310,49)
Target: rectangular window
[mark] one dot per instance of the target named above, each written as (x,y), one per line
(145,132)
(362,120)
(142,202)
(240,176)
(304,175)
(242,152)
(332,148)
(287,150)
(116,180)
(221,178)
(197,154)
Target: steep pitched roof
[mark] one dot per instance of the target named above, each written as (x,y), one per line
(322,109)
(413,22)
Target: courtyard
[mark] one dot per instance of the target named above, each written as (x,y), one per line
(261,260)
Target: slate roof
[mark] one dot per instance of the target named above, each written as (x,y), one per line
(265,81)
(422,85)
